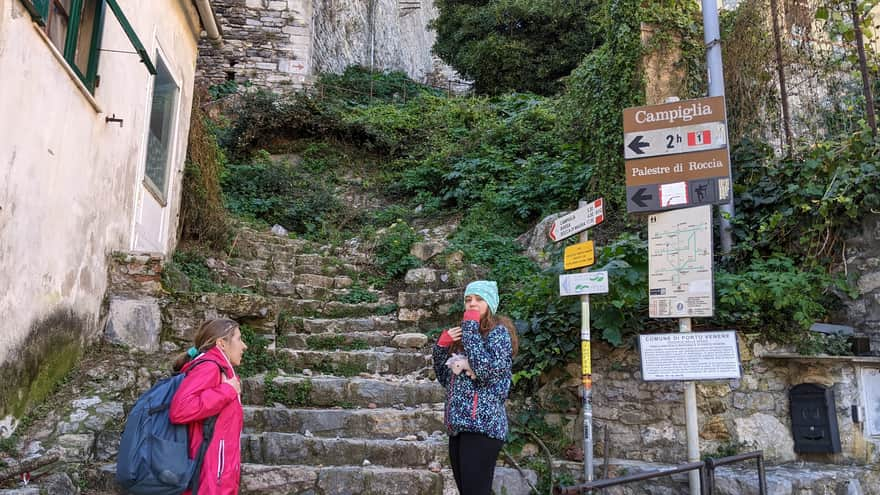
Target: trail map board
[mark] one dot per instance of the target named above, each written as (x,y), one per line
(680,263)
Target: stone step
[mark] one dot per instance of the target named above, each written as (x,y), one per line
(187,311)
(296,479)
(386,423)
(293,448)
(350,363)
(388,324)
(329,391)
(339,480)
(313,308)
(266,247)
(354,341)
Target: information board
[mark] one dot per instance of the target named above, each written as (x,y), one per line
(579,255)
(690,356)
(680,263)
(579,284)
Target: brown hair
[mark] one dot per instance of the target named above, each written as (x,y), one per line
(487,324)
(206,338)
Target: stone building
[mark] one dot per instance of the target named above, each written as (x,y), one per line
(274,44)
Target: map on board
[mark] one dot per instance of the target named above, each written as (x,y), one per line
(680,263)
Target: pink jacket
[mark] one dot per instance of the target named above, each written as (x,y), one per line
(202,395)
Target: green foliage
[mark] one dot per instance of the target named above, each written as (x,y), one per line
(202,215)
(296,395)
(392,250)
(549,325)
(528,422)
(357,294)
(515,45)
(727,449)
(813,343)
(340,369)
(201,278)
(777,296)
(280,193)
(803,203)
(258,358)
(385,309)
(359,85)
(610,79)
(500,253)
(226,88)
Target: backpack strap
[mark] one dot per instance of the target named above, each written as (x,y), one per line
(162,407)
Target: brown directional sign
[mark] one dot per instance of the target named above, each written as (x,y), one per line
(679,113)
(678,168)
(676,155)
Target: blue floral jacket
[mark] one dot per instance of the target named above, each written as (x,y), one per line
(477,405)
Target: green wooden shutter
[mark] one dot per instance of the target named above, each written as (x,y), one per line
(39,10)
(132,36)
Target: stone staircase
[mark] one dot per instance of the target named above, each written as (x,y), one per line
(353,408)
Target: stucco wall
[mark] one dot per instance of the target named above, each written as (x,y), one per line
(70,181)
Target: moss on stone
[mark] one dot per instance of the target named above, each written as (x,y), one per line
(51,349)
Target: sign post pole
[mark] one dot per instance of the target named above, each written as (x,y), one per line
(690,409)
(586,373)
(583,284)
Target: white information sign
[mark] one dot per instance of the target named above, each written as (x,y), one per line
(578,284)
(673,140)
(578,220)
(689,356)
(680,263)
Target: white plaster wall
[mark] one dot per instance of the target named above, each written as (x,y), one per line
(69,181)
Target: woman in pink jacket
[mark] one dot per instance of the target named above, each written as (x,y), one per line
(206,392)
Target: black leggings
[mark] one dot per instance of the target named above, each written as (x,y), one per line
(473,457)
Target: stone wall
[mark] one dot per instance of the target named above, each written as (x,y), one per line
(646,420)
(862,266)
(273,44)
(265,42)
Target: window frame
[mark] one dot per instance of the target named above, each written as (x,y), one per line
(39,10)
(161,194)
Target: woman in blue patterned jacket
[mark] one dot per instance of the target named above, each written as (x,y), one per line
(473,362)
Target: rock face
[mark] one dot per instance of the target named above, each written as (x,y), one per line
(385,34)
(863,264)
(277,44)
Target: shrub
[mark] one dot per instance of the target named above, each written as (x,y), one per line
(280,193)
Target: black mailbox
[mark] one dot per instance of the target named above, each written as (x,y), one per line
(813,419)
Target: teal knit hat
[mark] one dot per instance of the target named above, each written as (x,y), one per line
(486,289)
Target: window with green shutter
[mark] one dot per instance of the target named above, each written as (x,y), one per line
(75,28)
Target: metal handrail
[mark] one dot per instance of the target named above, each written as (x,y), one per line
(595,485)
(758,455)
(706,469)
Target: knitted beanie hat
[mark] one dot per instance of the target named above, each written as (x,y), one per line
(487,290)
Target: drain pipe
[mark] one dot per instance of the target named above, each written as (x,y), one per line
(206,12)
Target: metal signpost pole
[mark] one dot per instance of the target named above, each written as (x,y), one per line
(586,373)
(712,38)
(690,408)
(583,284)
